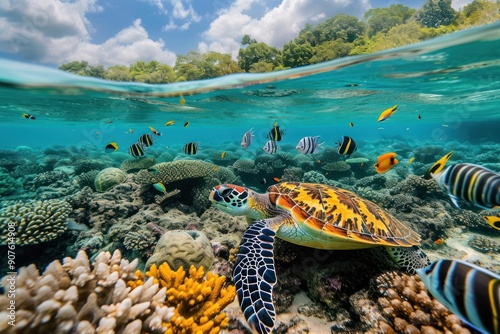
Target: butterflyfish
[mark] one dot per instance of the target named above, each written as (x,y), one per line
(186,124)
(387,113)
(247,139)
(223,154)
(471,292)
(275,133)
(191,148)
(111,147)
(28,116)
(346,146)
(472,183)
(136,150)
(411,160)
(153,130)
(419,117)
(270,147)
(351,124)
(493,221)
(168,123)
(309,145)
(146,140)
(437,166)
(386,162)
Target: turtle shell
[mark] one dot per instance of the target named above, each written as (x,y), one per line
(333,218)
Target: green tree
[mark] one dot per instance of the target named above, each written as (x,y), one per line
(95,71)
(330,50)
(118,73)
(247,40)
(296,54)
(75,67)
(259,52)
(436,13)
(341,26)
(479,12)
(383,19)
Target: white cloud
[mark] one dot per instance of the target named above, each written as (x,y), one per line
(180,16)
(277,26)
(57,31)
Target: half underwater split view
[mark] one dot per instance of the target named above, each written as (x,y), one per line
(358,195)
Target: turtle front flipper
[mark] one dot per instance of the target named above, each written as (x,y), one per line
(254,276)
(409,258)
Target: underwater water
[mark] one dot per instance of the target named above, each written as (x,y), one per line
(447,92)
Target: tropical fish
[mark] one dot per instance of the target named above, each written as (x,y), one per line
(160,187)
(346,146)
(276,179)
(411,160)
(111,147)
(223,154)
(472,183)
(247,139)
(493,221)
(186,124)
(385,162)
(387,113)
(216,168)
(135,150)
(130,130)
(28,116)
(191,148)
(437,166)
(153,130)
(439,241)
(153,170)
(146,140)
(419,117)
(270,147)
(469,291)
(309,145)
(182,101)
(351,124)
(168,123)
(276,133)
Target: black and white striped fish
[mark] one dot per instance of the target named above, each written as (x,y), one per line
(270,147)
(247,139)
(191,148)
(309,145)
(469,291)
(472,183)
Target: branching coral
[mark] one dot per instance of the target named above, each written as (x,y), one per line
(198,302)
(408,308)
(34,222)
(78,298)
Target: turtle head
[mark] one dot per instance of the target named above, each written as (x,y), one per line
(236,200)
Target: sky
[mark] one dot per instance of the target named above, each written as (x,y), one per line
(121,32)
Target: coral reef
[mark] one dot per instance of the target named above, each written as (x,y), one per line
(417,186)
(198,301)
(108,178)
(133,165)
(87,179)
(483,244)
(178,170)
(76,297)
(184,249)
(34,222)
(408,308)
(48,178)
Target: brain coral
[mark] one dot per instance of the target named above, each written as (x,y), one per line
(176,171)
(108,178)
(34,222)
(181,248)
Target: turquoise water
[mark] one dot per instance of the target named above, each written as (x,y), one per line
(451,82)
(447,92)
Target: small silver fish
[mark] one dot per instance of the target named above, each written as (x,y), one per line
(247,139)
(270,147)
(308,145)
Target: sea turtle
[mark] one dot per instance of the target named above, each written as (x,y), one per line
(308,214)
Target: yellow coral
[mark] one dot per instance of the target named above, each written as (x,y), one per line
(198,301)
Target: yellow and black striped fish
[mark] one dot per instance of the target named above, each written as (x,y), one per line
(111,147)
(472,183)
(146,140)
(135,150)
(191,148)
(346,146)
(276,134)
(469,291)
(28,116)
(437,166)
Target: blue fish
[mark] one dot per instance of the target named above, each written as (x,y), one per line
(469,291)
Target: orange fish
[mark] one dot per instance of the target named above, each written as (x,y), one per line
(276,179)
(439,241)
(216,168)
(385,162)
(182,101)
(387,113)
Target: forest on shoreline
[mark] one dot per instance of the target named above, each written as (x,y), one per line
(339,36)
